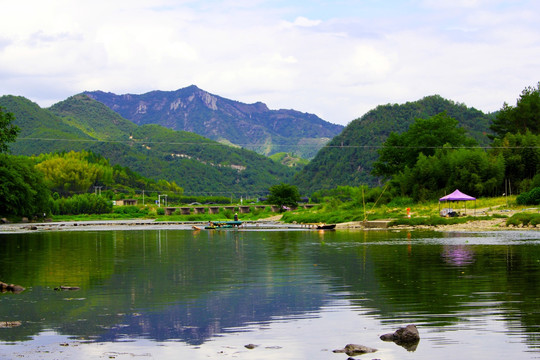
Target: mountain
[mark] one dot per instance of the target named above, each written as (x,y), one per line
(92,118)
(198,164)
(252,126)
(348,158)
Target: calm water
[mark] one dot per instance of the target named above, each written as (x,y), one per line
(179,294)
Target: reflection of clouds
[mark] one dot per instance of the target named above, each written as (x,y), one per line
(458,255)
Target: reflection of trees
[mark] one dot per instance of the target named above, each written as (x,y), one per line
(157,284)
(400,278)
(176,285)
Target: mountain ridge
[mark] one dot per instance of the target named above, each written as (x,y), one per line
(253,126)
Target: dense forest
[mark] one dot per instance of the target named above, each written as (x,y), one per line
(435,155)
(347,160)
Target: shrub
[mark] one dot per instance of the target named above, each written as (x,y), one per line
(125,210)
(529,198)
(524,219)
(81,204)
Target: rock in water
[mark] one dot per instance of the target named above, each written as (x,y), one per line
(354,349)
(64,287)
(408,337)
(10,287)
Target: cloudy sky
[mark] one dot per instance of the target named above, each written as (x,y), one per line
(337,59)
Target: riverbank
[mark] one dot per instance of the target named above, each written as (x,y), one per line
(495,224)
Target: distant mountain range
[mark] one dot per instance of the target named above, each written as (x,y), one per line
(251,126)
(199,165)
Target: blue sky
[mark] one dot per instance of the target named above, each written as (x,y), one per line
(336,59)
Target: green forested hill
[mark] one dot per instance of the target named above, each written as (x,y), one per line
(348,158)
(92,118)
(197,164)
(39,128)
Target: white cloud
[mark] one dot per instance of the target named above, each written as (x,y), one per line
(338,66)
(305,22)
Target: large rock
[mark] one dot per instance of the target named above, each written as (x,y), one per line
(407,337)
(353,349)
(10,287)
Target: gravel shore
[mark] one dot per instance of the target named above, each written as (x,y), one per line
(474,226)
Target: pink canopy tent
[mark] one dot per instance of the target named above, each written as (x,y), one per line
(457,196)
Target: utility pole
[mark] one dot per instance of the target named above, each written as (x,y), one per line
(164,200)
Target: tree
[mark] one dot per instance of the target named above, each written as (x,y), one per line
(8,131)
(424,136)
(22,187)
(471,170)
(523,117)
(284,195)
(521,154)
(70,173)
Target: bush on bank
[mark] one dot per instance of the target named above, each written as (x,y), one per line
(524,219)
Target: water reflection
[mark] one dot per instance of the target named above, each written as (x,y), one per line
(194,286)
(458,255)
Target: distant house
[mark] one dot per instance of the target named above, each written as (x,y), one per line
(126,202)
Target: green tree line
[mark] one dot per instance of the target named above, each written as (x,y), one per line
(435,156)
(59,183)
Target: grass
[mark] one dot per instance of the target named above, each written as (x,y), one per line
(524,219)
(333,211)
(426,213)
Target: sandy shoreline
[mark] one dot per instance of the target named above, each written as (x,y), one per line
(273,223)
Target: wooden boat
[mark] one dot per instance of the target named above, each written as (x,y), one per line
(223,225)
(217,227)
(326,226)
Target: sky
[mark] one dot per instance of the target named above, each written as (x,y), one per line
(337,59)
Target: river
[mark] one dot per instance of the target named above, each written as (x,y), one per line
(293,294)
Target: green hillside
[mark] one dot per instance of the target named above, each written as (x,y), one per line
(92,118)
(197,164)
(348,158)
(40,128)
(289,160)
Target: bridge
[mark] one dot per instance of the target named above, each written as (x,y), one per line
(242,209)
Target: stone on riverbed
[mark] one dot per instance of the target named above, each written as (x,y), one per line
(354,349)
(10,287)
(64,287)
(407,337)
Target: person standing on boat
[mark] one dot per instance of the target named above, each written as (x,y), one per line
(235,216)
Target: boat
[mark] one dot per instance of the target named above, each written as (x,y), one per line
(196,227)
(223,225)
(326,226)
(217,227)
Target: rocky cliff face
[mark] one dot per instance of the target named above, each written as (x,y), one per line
(252,126)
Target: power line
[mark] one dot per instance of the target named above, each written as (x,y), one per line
(143,142)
